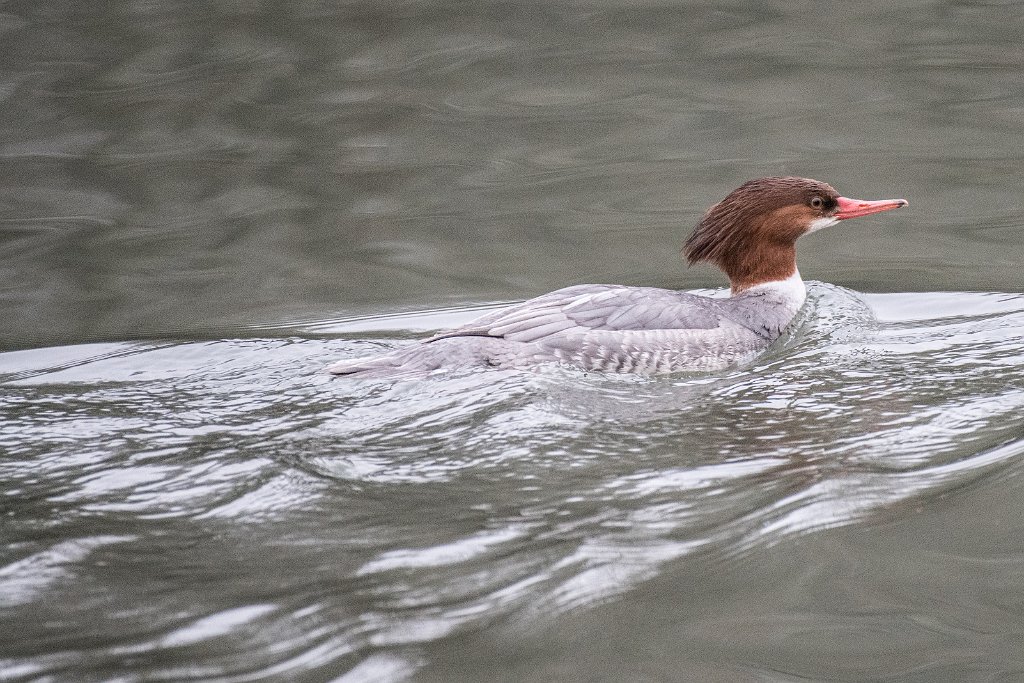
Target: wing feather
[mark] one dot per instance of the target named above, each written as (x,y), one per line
(575,312)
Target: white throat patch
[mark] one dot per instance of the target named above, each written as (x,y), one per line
(791,290)
(819,223)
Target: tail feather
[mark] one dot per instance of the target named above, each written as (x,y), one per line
(373,366)
(414,360)
(423,358)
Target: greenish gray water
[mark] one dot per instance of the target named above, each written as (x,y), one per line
(203,204)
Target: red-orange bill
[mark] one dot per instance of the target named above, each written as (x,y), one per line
(853,208)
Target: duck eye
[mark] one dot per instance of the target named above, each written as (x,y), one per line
(817,202)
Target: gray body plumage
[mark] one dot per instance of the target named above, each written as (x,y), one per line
(750,235)
(605,328)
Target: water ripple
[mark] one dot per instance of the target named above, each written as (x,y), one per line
(356,523)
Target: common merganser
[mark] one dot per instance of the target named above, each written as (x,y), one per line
(751,235)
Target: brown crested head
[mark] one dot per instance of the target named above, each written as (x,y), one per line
(751,234)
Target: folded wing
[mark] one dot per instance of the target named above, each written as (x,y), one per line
(582,309)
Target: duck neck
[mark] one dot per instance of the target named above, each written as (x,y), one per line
(767,263)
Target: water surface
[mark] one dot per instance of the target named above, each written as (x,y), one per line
(222,509)
(202,205)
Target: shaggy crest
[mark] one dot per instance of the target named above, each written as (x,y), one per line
(751,233)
